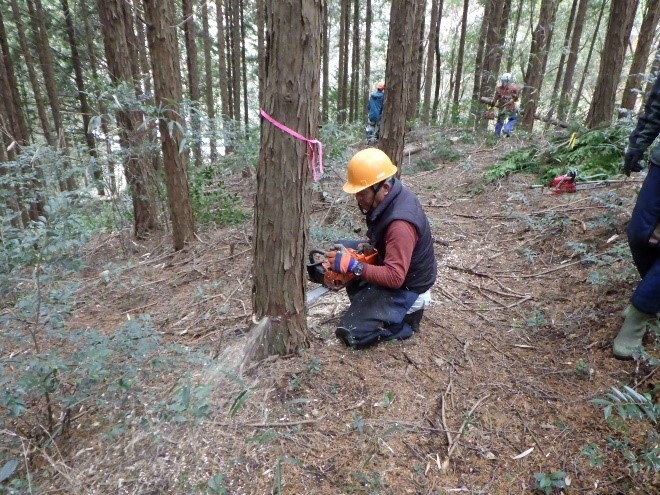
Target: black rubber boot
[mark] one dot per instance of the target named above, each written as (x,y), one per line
(414,319)
(345,336)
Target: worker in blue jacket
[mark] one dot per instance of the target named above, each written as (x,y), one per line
(375,108)
(643,230)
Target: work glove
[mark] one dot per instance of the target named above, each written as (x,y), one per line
(341,260)
(631,162)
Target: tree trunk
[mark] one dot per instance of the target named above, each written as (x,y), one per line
(459,62)
(401,54)
(208,83)
(430,62)
(514,36)
(261,53)
(235,46)
(637,73)
(246,115)
(622,15)
(283,179)
(417,66)
(571,61)
(342,69)
(193,74)
(13,109)
(82,97)
(161,36)
(479,65)
(138,170)
(222,61)
(355,69)
(37,17)
(587,63)
(34,81)
(655,72)
(325,47)
(438,66)
(538,58)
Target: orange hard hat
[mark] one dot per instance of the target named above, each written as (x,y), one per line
(380,85)
(366,168)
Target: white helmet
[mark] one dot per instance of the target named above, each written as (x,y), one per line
(506,78)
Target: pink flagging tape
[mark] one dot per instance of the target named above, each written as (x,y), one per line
(311,143)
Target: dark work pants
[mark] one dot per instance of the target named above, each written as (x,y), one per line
(376,313)
(645,218)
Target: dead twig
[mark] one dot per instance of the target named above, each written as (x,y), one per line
(454,444)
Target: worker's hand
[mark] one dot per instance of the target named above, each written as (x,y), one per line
(631,162)
(341,260)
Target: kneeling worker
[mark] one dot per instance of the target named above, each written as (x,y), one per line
(387,299)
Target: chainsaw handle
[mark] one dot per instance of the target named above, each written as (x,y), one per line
(316,251)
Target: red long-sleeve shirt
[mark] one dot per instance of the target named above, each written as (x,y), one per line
(400,239)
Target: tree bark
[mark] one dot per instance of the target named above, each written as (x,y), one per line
(571,61)
(401,54)
(637,73)
(283,178)
(578,93)
(479,63)
(366,80)
(261,55)
(538,57)
(562,59)
(161,36)
(208,82)
(222,61)
(514,36)
(235,48)
(325,48)
(137,168)
(438,66)
(430,63)
(192,65)
(622,15)
(459,62)
(85,110)
(32,75)
(355,64)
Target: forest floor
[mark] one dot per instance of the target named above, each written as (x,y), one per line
(495,388)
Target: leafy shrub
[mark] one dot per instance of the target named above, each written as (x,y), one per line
(590,152)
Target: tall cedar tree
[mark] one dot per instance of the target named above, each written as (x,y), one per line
(208,82)
(637,73)
(161,35)
(32,74)
(189,33)
(587,66)
(283,198)
(571,61)
(538,58)
(85,110)
(459,61)
(622,15)
(138,170)
(430,63)
(401,55)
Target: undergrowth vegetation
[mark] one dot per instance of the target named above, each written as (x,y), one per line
(591,153)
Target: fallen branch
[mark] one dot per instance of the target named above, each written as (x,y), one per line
(454,444)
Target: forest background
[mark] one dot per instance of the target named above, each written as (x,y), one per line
(135,119)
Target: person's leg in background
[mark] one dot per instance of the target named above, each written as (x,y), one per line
(498,125)
(509,126)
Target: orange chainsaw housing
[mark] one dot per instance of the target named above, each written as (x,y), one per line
(322,273)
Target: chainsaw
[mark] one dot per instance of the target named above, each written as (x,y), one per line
(319,271)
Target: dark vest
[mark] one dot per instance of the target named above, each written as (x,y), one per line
(401,204)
